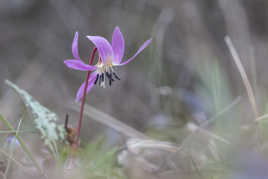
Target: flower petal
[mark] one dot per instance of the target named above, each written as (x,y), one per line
(79,65)
(80,91)
(104,48)
(118,45)
(144,45)
(75,47)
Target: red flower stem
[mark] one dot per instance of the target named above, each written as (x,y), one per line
(84,99)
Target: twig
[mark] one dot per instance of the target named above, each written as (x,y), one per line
(136,145)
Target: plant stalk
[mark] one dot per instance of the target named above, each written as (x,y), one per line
(76,144)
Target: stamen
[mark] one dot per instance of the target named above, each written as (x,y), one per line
(104,81)
(106,76)
(99,79)
(115,75)
(102,77)
(96,80)
(109,75)
(110,82)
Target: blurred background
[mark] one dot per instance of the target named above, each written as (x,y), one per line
(186,75)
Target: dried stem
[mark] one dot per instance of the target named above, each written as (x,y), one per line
(244,76)
(110,122)
(247,84)
(76,144)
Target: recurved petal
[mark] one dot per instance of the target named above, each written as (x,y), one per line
(118,45)
(79,65)
(144,45)
(80,91)
(104,48)
(75,47)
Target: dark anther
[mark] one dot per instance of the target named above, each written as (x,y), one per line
(109,75)
(110,81)
(97,78)
(102,77)
(115,75)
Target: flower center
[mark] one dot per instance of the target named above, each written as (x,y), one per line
(106,75)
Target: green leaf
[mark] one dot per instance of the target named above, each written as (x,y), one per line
(44,119)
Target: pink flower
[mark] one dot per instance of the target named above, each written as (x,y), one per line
(110,55)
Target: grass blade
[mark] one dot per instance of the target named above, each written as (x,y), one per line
(22,144)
